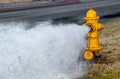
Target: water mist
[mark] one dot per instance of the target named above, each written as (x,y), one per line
(46,51)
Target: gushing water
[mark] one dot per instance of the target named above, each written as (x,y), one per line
(44,52)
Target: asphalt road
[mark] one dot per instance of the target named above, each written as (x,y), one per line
(71,12)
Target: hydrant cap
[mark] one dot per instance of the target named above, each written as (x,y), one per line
(91,14)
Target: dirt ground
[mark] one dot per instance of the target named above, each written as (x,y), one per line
(108,65)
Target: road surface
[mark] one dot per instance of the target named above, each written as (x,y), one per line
(71,12)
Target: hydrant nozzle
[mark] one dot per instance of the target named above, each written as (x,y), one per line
(93,45)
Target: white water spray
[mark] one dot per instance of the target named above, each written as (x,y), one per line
(44,52)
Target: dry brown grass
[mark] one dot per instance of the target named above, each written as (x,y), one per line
(108,65)
(104,71)
(110,39)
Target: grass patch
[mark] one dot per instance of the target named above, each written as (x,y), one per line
(105,72)
(108,65)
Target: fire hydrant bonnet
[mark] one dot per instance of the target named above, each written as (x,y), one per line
(91,14)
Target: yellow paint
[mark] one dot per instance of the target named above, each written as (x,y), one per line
(88,55)
(93,38)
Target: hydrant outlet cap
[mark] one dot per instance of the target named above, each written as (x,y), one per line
(91,14)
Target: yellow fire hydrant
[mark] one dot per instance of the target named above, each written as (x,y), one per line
(93,45)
